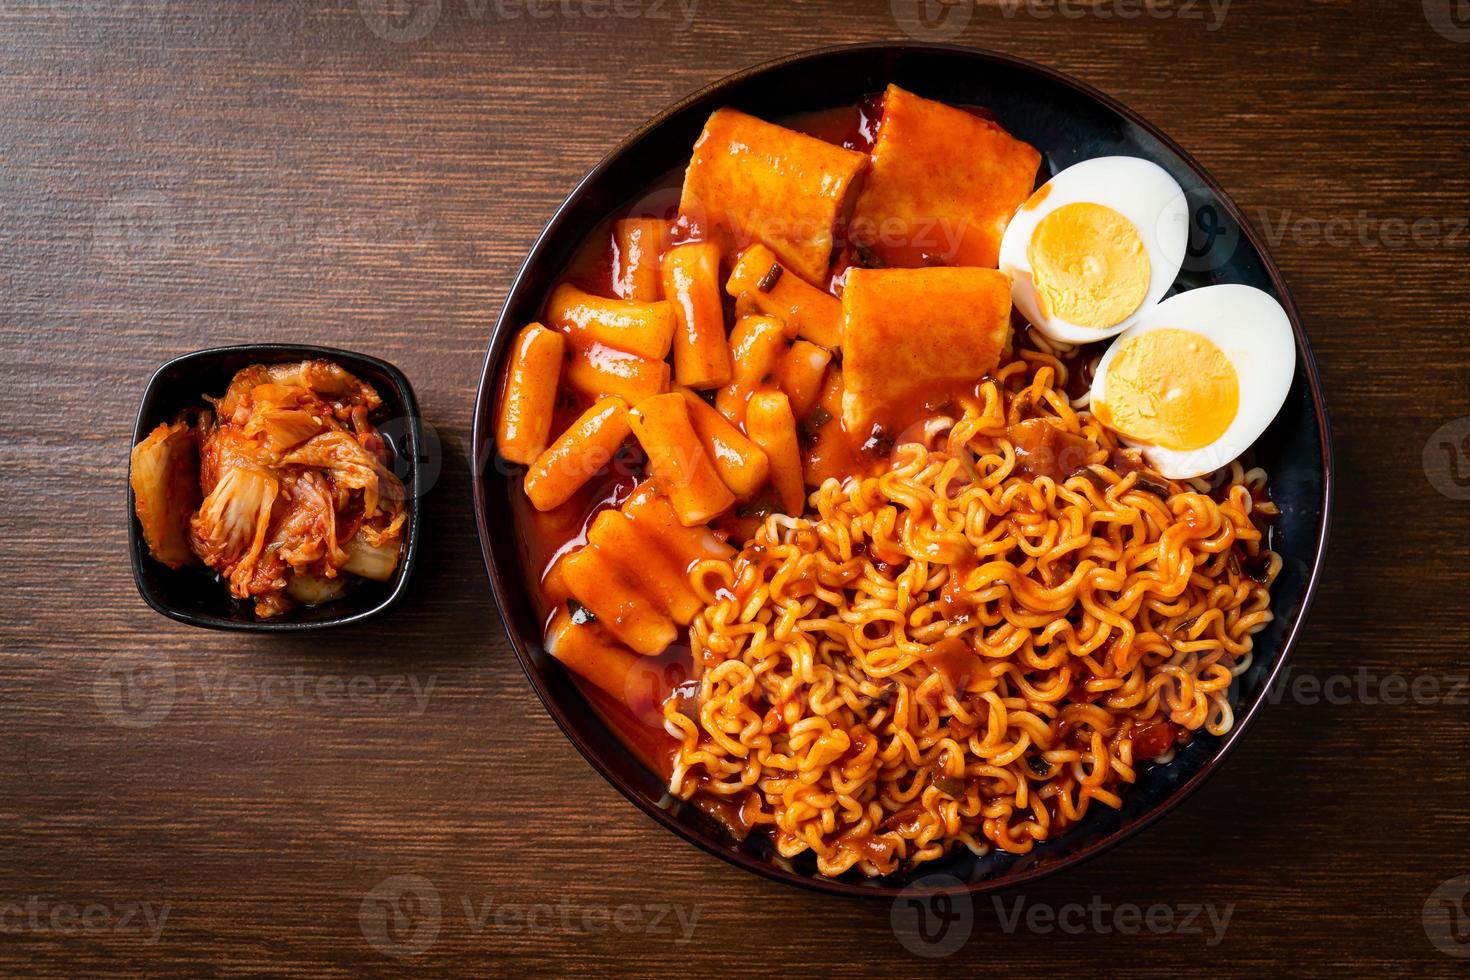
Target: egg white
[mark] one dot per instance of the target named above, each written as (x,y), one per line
(1140,191)
(1252,330)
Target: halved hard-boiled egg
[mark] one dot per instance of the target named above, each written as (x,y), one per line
(1095,247)
(1197,378)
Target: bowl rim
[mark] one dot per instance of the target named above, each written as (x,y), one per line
(482,438)
(137,551)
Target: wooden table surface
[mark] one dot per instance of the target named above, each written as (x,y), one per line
(369,174)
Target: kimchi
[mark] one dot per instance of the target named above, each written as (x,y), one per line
(281,487)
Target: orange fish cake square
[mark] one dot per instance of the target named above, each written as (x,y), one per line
(912,337)
(750,180)
(942,185)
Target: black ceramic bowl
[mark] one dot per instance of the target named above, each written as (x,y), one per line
(195,595)
(1068,122)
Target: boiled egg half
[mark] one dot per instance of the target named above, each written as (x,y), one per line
(1197,378)
(1095,247)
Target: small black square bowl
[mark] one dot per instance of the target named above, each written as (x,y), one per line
(195,595)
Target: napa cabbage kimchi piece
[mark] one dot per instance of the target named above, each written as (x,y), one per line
(283,489)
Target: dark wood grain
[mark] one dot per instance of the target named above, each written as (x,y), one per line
(174,176)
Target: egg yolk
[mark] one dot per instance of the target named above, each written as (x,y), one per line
(1170,388)
(1089,265)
